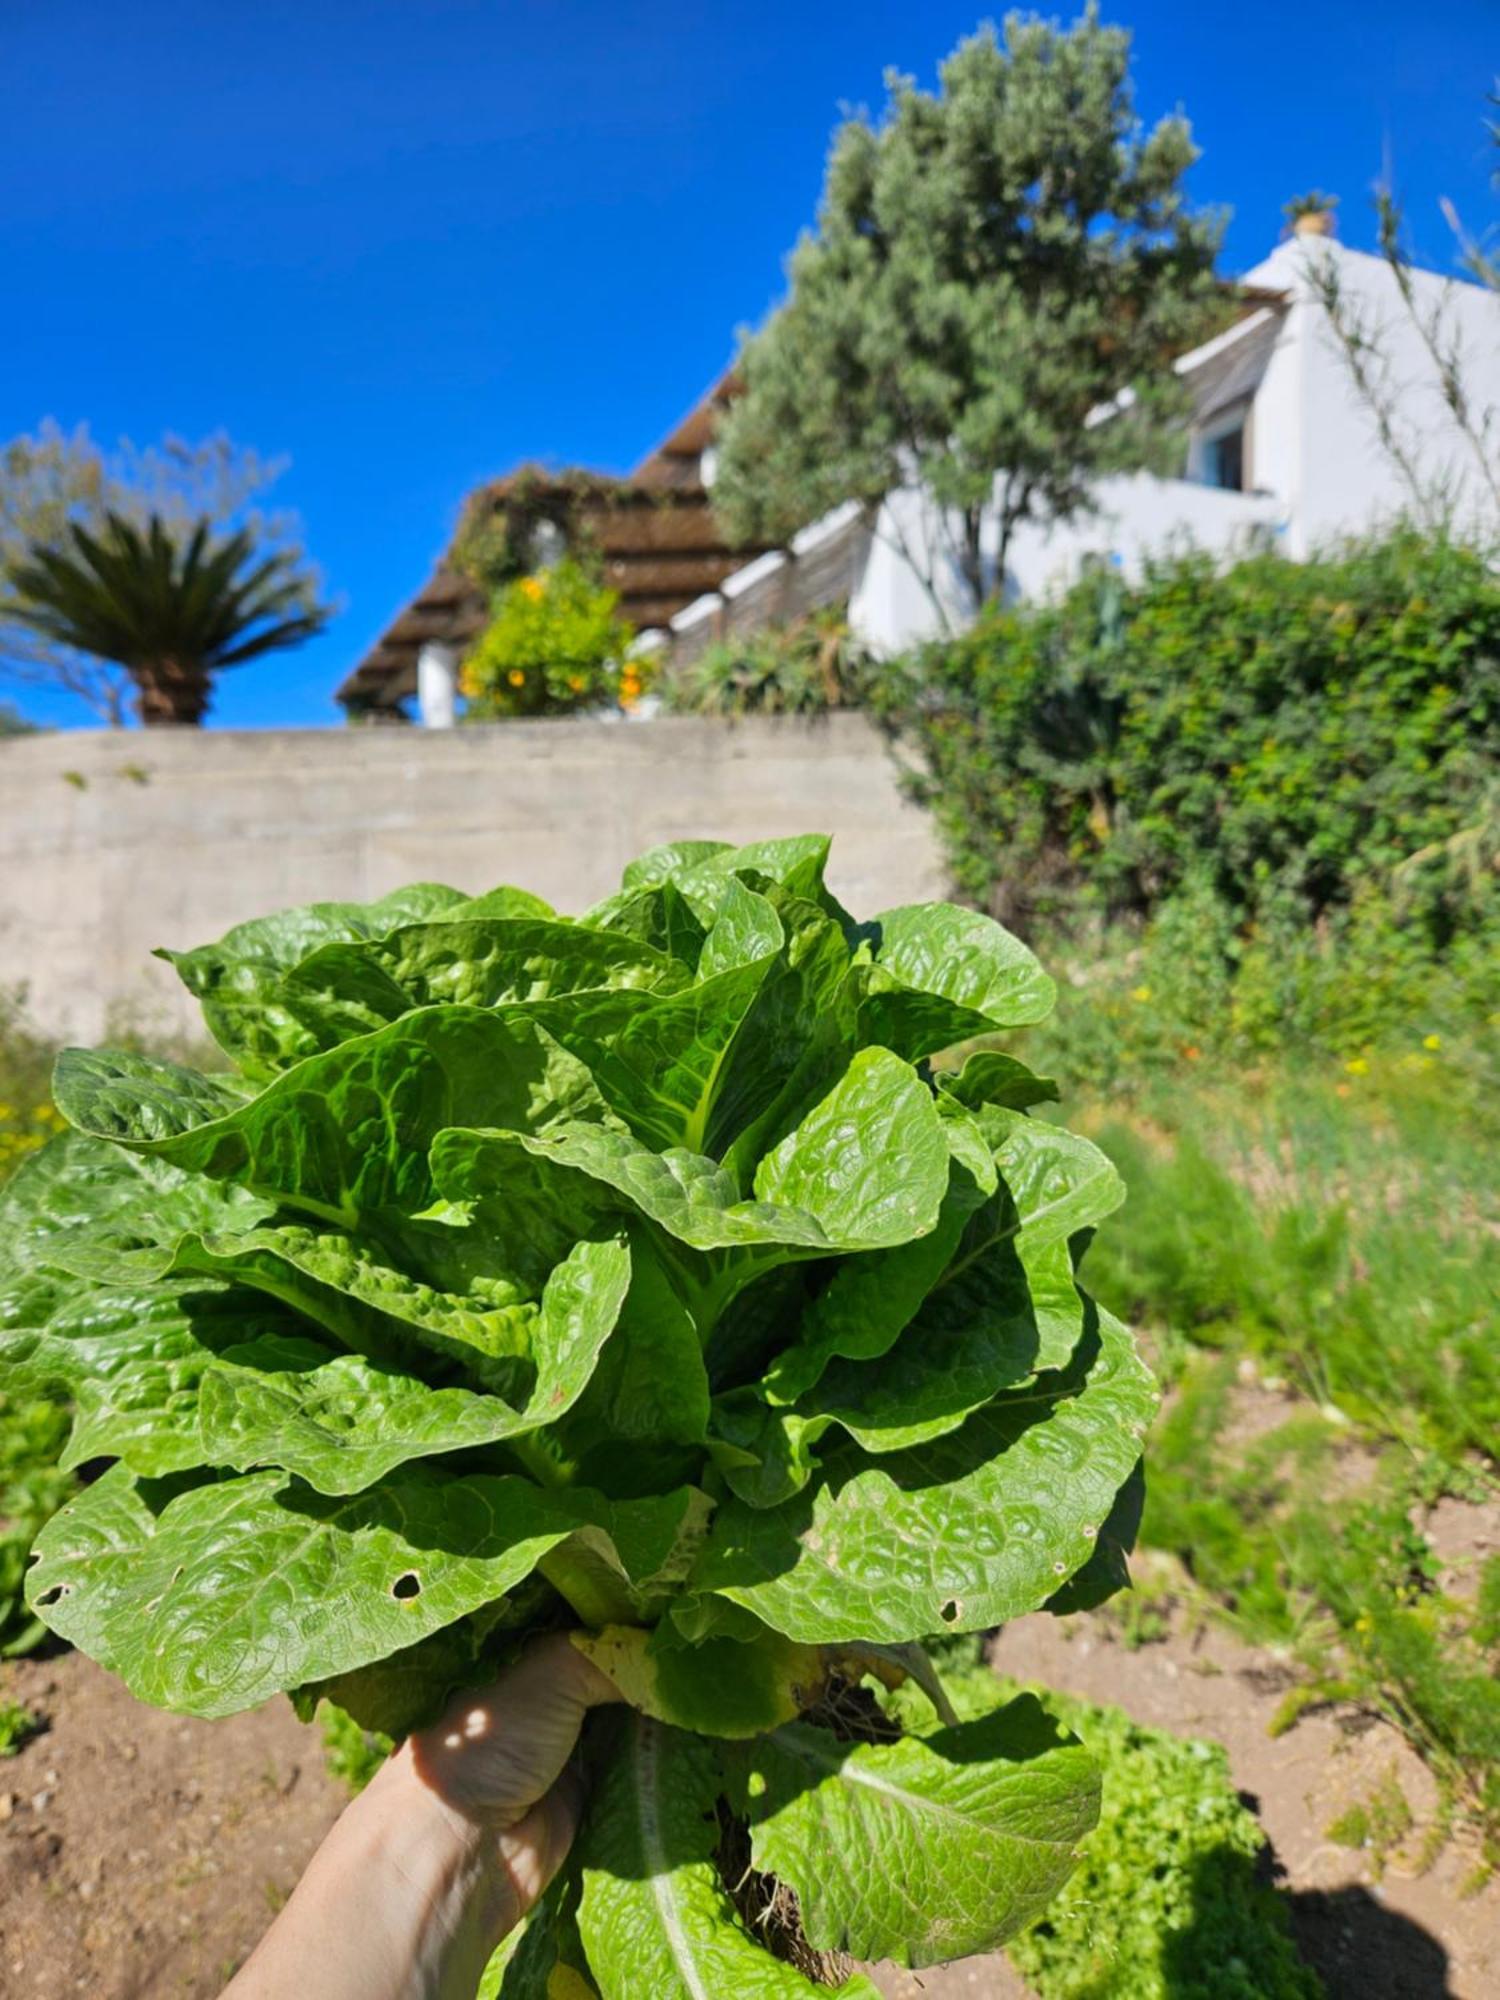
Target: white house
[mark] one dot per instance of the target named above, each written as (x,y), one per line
(1283,447)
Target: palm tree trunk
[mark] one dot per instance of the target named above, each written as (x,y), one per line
(170,693)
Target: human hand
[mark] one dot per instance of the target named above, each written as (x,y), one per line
(444,1851)
(498,1758)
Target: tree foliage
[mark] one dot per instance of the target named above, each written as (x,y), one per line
(992,265)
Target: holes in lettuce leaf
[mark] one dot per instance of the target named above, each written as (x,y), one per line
(950,1611)
(407,1586)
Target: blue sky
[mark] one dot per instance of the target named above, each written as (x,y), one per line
(410,242)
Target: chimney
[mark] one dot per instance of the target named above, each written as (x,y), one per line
(1312,214)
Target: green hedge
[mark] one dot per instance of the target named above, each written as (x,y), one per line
(1280,733)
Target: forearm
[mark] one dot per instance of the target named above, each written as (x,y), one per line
(405,1900)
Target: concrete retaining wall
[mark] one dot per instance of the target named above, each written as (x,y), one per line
(111,844)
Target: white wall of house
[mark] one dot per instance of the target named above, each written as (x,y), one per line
(1135,517)
(1323,452)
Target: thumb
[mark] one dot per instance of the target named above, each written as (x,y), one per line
(532,1851)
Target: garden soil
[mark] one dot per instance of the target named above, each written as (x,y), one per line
(141,1854)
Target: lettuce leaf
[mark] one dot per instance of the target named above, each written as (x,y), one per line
(927,1848)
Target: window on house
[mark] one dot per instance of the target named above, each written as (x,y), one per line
(1218,453)
(1224,460)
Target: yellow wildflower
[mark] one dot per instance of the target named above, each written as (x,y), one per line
(1432,1041)
(1357,1066)
(1140,992)
(533,588)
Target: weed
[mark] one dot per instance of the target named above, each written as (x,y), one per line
(18,1724)
(1378,1823)
(32,1434)
(1349,1242)
(353,1755)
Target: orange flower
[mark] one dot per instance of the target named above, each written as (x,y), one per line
(533,588)
(517,677)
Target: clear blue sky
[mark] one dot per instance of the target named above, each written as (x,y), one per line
(410,242)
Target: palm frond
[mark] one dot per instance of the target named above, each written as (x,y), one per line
(165,602)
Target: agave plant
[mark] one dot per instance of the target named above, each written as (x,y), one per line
(638,1275)
(173,610)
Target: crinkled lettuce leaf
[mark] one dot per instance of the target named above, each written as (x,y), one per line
(923,1849)
(208,1598)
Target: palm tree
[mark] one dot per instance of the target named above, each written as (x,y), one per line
(173,609)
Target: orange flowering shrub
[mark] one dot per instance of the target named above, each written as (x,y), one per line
(554,644)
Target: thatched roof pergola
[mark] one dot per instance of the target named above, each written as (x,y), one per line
(653,529)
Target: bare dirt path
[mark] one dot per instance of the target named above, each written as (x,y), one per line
(142,1854)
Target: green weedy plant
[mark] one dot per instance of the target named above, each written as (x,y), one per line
(634,1275)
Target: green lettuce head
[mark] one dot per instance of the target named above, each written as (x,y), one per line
(639,1275)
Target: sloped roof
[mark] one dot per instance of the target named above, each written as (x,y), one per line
(654,528)
(1229,369)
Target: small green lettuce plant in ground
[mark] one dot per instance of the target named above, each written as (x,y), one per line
(635,1276)
(1171,1898)
(1170,1901)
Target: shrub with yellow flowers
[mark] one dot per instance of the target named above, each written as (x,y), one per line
(23,1129)
(27,1115)
(555,644)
